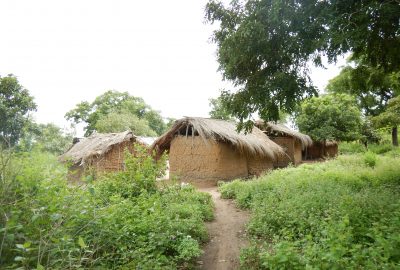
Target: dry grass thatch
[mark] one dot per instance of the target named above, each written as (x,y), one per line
(331,143)
(95,145)
(253,144)
(280,129)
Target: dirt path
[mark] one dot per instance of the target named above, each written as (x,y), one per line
(227,235)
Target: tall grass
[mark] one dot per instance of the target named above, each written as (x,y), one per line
(338,214)
(122,221)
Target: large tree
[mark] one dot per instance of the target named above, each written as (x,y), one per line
(106,106)
(124,120)
(330,117)
(372,86)
(265,46)
(15,105)
(46,137)
(390,118)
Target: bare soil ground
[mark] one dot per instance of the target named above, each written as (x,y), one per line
(227,235)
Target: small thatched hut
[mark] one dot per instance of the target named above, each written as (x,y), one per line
(204,151)
(99,153)
(292,142)
(318,150)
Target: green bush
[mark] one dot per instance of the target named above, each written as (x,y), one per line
(333,215)
(121,221)
(370,159)
(351,148)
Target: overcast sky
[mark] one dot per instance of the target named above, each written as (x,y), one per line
(65,52)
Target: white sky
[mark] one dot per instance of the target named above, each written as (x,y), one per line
(65,52)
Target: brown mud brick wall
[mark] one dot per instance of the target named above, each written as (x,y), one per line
(197,161)
(259,165)
(297,152)
(332,150)
(112,161)
(317,151)
(292,149)
(314,151)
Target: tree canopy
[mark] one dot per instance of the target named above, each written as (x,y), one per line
(102,115)
(15,105)
(390,118)
(265,47)
(372,86)
(125,120)
(218,109)
(330,117)
(45,137)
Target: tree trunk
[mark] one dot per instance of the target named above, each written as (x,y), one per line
(395,140)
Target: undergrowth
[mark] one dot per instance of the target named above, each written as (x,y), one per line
(343,213)
(122,221)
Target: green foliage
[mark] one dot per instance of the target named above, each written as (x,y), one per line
(139,175)
(340,214)
(330,117)
(391,116)
(355,148)
(372,86)
(370,159)
(375,89)
(265,47)
(46,137)
(102,113)
(368,133)
(122,221)
(122,121)
(219,110)
(15,105)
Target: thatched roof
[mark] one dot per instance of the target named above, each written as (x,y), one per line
(328,143)
(280,129)
(254,143)
(95,145)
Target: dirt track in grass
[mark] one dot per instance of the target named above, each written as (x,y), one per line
(227,234)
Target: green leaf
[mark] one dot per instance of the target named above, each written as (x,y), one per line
(81,242)
(18,259)
(40,267)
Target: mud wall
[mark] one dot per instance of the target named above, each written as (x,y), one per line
(112,161)
(316,151)
(259,165)
(287,143)
(192,159)
(331,151)
(297,152)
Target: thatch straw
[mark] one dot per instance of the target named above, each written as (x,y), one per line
(330,143)
(254,143)
(96,145)
(279,129)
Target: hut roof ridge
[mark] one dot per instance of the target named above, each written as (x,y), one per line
(268,127)
(96,144)
(254,143)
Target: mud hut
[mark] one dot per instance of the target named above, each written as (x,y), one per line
(292,142)
(98,153)
(204,151)
(317,150)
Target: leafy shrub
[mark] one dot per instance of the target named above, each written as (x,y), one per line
(370,159)
(351,148)
(121,221)
(332,215)
(380,148)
